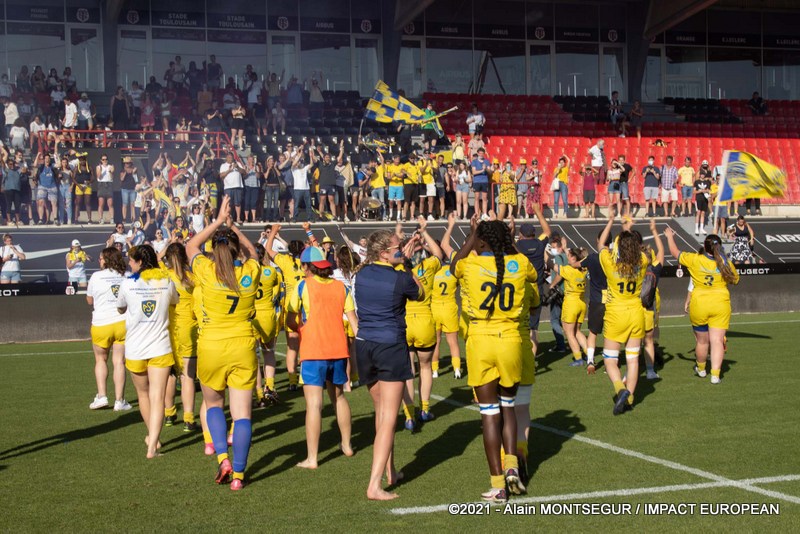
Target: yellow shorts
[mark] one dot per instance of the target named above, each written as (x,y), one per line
(420,333)
(706,310)
(490,357)
(265,326)
(110,334)
(81,190)
(184,341)
(227,363)
(528,375)
(573,311)
(348,329)
(463,326)
(623,323)
(140,366)
(445,318)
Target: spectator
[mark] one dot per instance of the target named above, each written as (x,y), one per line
(327,184)
(70,119)
(274,89)
(507,194)
(230,99)
(252,89)
(670,180)
(252,187)
(39,80)
(166,110)
(11,255)
(615,109)
(480,183)
(214,122)
(429,132)
(12,188)
(757,104)
(104,174)
(613,176)
(144,192)
(135,236)
(475,143)
(589,174)
(302,186)
(238,124)
(6,89)
(36,127)
(18,135)
(65,184)
(24,80)
(153,88)
(475,121)
(652,180)
(128,180)
(272,189)
(625,176)
(135,94)
(177,74)
(52,79)
(213,73)
(25,109)
(534,178)
(57,96)
(85,112)
(635,117)
(316,102)
(744,239)
(286,197)
(194,80)
(598,157)
(11,114)
(261,117)
(686,176)
(752,206)
(462,186)
(702,189)
(561,186)
(76,260)
(556,255)
(47,191)
(278,119)
(233,185)
(120,110)
(294,93)
(83,187)
(458,149)
(68,80)
(148,117)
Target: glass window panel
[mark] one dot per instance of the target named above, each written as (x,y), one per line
(541,79)
(171,42)
(449,65)
(734,72)
(613,71)
(283,55)
(35,44)
(86,58)
(782,74)
(577,69)
(651,83)
(500,65)
(686,72)
(329,54)
(234,53)
(409,74)
(132,52)
(367,65)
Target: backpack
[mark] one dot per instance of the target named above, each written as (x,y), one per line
(648,292)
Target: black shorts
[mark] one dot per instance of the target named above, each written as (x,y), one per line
(411,193)
(387,362)
(480,188)
(327,190)
(702,202)
(588,196)
(597,311)
(429,134)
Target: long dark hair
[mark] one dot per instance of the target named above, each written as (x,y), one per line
(145,254)
(713,247)
(262,252)
(226,249)
(629,259)
(113,259)
(497,237)
(347,261)
(296,248)
(176,259)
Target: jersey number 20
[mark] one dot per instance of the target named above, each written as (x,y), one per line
(505,296)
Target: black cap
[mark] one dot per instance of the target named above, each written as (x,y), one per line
(527,230)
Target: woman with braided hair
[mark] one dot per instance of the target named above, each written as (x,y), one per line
(226,347)
(495,278)
(625,266)
(710,307)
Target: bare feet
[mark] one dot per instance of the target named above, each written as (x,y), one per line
(158,445)
(153,454)
(394,478)
(307,464)
(380,495)
(347,451)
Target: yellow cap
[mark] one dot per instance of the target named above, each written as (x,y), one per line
(523,161)
(495,161)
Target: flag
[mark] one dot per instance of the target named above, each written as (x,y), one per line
(388,106)
(163,202)
(746,176)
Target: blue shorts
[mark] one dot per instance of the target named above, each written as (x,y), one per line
(613,187)
(480,188)
(623,191)
(317,372)
(236,195)
(396,192)
(687,192)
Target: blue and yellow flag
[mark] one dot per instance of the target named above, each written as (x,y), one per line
(388,106)
(746,176)
(163,203)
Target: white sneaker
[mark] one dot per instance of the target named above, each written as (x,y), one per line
(457,374)
(715,379)
(652,375)
(703,230)
(99,402)
(484,217)
(346,218)
(435,374)
(698,372)
(121,406)
(430,218)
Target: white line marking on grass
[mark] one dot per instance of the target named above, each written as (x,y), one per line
(609,493)
(687,325)
(87,351)
(647,458)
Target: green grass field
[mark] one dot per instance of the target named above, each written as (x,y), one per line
(63,467)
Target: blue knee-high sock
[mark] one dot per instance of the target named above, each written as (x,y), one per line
(217,428)
(242,432)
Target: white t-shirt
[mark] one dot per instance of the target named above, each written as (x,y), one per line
(300,176)
(475,119)
(229,101)
(36,128)
(147,324)
(84,108)
(197,222)
(70,115)
(57,96)
(103,288)
(105,174)
(234,178)
(136,97)
(78,270)
(158,246)
(12,265)
(597,156)
(361,251)
(11,112)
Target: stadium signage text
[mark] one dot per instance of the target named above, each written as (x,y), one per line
(783,238)
(9,293)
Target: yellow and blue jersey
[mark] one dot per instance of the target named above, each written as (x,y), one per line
(425,272)
(705,274)
(268,290)
(623,292)
(574,282)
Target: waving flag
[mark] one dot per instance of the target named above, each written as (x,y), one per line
(163,202)
(746,176)
(388,106)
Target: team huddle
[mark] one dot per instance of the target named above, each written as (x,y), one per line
(373,314)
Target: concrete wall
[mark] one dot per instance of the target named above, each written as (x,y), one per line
(57,318)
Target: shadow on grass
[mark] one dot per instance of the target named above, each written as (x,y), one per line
(120,421)
(548,435)
(746,335)
(546,357)
(726,363)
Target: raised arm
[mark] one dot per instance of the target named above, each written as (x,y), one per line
(429,241)
(447,248)
(273,233)
(606,232)
(468,245)
(249,248)
(193,246)
(659,243)
(669,233)
(537,210)
(310,234)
